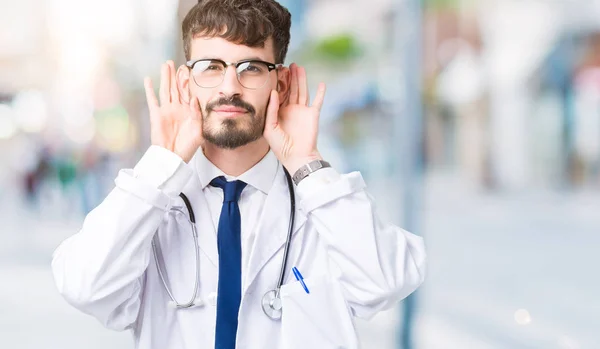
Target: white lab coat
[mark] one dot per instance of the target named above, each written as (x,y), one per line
(354,264)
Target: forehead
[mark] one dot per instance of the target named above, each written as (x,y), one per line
(216,47)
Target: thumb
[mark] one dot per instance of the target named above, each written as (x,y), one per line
(272,117)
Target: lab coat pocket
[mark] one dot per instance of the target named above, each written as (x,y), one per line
(319,319)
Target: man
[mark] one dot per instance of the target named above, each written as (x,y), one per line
(223,129)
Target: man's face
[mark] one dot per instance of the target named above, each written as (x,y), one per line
(233,115)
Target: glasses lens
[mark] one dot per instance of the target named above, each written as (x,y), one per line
(208,73)
(253,74)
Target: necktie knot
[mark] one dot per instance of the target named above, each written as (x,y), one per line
(231,190)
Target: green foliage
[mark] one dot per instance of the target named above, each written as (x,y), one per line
(342,47)
(441,4)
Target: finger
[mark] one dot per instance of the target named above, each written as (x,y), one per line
(165,82)
(150,96)
(174,88)
(320,97)
(302,87)
(293,99)
(195,108)
(272,117)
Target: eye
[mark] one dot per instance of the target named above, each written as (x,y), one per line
(208,66)
(215,66)
(254,68)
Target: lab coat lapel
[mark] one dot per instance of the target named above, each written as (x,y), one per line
(207,234)
(272,228)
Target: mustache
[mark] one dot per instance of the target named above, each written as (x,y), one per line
(230,101)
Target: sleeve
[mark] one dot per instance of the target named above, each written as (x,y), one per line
(100,270)
(377,263)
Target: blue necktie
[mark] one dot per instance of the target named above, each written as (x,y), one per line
(229,245)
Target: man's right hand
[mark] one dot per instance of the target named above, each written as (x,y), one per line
(174,124)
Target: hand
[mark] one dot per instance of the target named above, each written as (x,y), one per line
(174,124)
(292,130)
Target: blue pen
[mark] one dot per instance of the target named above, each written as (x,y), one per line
(300,278)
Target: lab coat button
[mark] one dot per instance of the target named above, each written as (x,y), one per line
(212,298)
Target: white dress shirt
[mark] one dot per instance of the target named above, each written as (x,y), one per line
(259,180)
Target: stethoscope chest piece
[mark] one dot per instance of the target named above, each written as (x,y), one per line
(271,304)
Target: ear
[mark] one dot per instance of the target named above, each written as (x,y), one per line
(283,85)
(183,82)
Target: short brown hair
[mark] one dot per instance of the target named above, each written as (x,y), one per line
(245,22)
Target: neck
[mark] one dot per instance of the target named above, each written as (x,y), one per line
(234,162)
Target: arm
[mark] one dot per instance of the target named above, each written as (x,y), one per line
(377,263)
(100,270)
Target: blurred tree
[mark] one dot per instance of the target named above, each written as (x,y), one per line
(332,50)
(339,47)
(445,4)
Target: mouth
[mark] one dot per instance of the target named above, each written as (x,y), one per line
(230,111)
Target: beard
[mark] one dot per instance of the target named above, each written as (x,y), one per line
(235,132)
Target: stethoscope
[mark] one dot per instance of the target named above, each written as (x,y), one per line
(271,300)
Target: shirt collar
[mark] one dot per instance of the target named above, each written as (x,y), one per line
(261,176)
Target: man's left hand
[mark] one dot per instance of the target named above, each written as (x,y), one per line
(292,130)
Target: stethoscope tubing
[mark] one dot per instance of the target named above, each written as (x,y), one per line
(290,231)
(192,218)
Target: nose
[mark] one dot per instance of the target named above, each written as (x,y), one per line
(230,85)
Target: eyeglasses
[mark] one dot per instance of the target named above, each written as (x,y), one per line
(252,74)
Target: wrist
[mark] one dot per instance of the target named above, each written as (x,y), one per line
(293,165)
(308,169)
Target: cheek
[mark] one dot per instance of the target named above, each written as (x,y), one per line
(262,101)
(204,96)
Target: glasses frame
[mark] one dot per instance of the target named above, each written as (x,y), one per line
(270,67)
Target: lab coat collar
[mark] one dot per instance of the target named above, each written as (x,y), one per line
(272,229)
(260,176)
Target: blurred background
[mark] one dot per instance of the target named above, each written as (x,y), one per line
(476,124)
